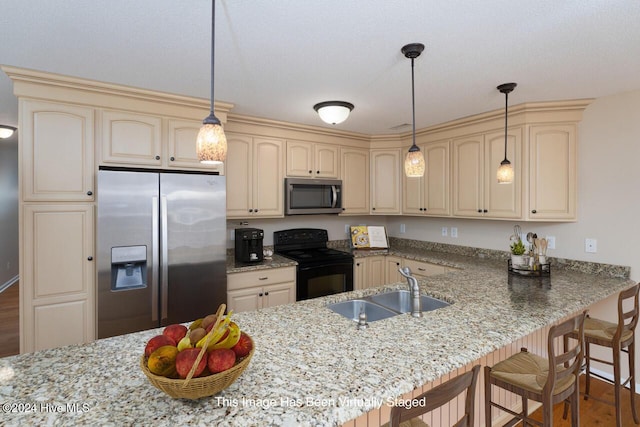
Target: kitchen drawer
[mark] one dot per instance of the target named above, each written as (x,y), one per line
(262,277)
(419,268)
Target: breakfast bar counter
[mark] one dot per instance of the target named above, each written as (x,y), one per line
(311,367)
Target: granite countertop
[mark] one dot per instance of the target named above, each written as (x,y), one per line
(312,367)
(275,261)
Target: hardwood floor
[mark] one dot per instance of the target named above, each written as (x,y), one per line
(594,413)
(9,321)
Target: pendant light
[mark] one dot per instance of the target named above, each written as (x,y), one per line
(505,171)
(414,165)
(211,144)
(6,131)
(333,112)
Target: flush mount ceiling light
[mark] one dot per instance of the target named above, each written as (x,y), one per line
(414,164)
(505,171)
(333,112)
(6,131)
(211,144)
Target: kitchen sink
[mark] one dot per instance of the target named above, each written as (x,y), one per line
(401,301)
(383,306)
(351,309)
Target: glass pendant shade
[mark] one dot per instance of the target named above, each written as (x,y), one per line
(505,172)
(333,112)
(414,165)
(211,144)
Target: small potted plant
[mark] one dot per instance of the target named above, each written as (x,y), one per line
(517,252)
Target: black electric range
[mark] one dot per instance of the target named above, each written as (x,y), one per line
(321,271)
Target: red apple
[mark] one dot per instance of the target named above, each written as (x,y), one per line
(220,360)
(185,360)
(243,347)
(157,342)
(175,332)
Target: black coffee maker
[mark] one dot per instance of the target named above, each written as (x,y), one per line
(249,244)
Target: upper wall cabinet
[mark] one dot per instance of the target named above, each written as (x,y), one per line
(355,180)
(429,195)
(312,160)
(476,192)
(552,172)
(56,143)
(255,181)
(140,140)
(385,181)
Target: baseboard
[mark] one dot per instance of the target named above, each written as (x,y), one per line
(9,283)
(609,376)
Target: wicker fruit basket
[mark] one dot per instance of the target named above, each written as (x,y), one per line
(199,387)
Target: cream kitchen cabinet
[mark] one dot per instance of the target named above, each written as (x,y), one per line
(552,172)
(140,140)
(423,269)
(312,160)
(260,289)
(393,263)
(355,181)
(385,181)
(476,192)
(429,195)
(56,144)
(255,176)
(369,272)
(57,281)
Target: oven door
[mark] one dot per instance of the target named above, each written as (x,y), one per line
(323,279)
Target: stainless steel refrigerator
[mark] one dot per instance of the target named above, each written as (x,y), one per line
(161,249)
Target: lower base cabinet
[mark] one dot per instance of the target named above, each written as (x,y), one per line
(378,270)
(260,289)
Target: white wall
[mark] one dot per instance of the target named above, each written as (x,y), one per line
(608,195)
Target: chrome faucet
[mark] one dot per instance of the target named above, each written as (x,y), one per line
(416,308)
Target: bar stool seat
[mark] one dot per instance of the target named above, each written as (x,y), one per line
(529,371)
(596,329)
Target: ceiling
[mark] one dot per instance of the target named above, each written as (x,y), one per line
(277,58)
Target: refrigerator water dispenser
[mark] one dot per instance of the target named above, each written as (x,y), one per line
(128,267)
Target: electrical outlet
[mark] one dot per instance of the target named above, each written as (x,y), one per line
(454,232)
(403,228)
(551,242)
(591,245)
(444,231)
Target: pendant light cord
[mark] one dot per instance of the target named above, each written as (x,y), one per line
(213,46)
(413,105)
(506,114)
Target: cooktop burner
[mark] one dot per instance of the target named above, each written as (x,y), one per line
(307,245)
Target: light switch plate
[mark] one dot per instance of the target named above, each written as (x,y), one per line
(454,232)
(444,231)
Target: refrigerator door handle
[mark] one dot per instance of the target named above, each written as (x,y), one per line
(165,258)
(155,257)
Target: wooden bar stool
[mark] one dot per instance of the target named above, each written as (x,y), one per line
(436,397)
(549,381)
(620,338)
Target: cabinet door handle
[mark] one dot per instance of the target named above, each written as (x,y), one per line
(310,171)
(255,210)
(89,258)
(266,294)
(89,193)
(534,211)
(250,210)
(172,158)
(479,210)
(422,269)
(373,209)
(485,211)
(263,278)
(317,171)
(157,157)
(260,294)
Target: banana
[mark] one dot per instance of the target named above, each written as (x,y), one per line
(195,324)
(185,342)
(216,333)
(231,339)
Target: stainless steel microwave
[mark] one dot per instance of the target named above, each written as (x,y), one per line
(312,196)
